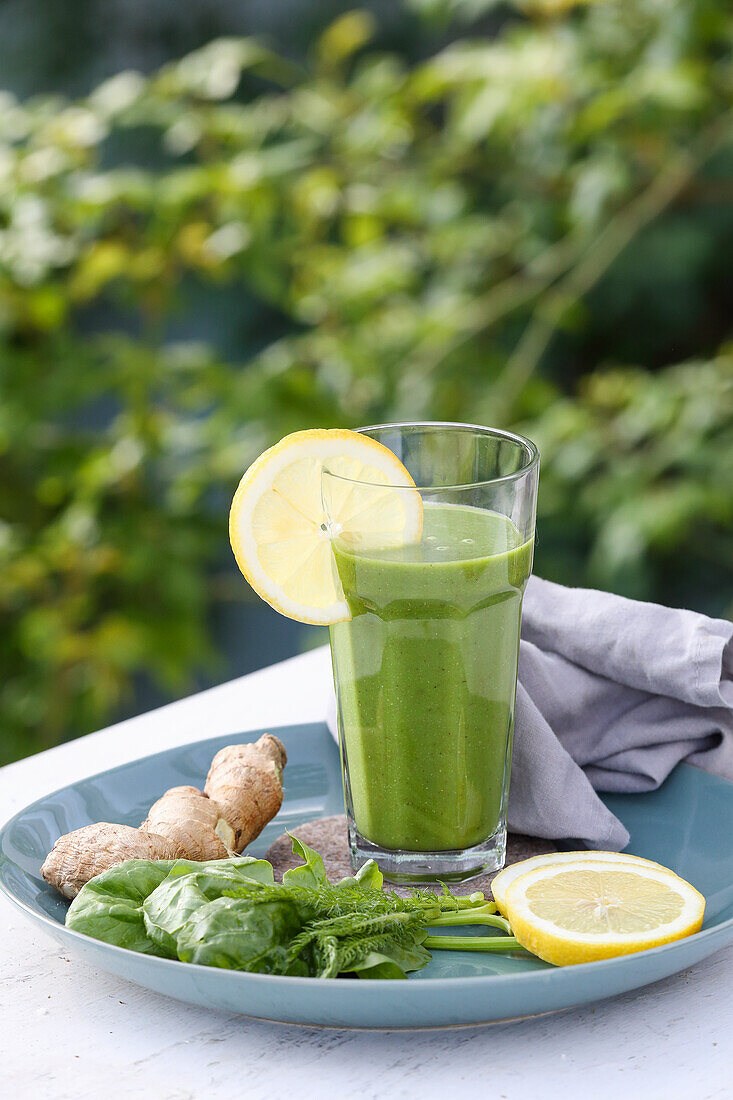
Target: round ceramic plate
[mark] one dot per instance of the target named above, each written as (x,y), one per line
(687,825)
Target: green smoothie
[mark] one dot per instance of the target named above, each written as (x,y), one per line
(426,679)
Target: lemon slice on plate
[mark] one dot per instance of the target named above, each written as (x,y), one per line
(500,884)
(595,909)
(281,534)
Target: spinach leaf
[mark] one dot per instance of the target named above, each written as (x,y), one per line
(400,960)
(109,907)
(368,877)
(241,934)
(171,904)
(331,929)
(312,874)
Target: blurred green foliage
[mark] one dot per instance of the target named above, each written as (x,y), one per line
(520,231)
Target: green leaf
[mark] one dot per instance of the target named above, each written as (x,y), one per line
(189,887)
(109,907)
(118,907)
(345,36)
(240,934)
(368,877)
(312,874)
(397,962)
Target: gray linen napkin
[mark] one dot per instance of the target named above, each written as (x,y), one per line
(612,694)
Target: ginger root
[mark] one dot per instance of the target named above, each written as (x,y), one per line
(195,824)
(77,857)
(243,792)
(248,781)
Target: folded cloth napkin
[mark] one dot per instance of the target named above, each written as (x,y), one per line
(612,694)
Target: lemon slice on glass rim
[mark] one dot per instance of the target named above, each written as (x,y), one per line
(280,532)
(578,912)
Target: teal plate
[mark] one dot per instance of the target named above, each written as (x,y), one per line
(687,825)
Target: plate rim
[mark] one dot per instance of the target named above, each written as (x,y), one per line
(554,975)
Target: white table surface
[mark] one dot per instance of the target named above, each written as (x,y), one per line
(69,1030)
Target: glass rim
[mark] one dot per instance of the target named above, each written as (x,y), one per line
(530,449)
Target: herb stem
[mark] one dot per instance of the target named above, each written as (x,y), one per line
(473,900)
(483,915)
(472,943)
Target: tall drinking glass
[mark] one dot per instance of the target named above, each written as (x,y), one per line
(426,667)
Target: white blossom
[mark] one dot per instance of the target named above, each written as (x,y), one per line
(182,136)
(77,126)
(29,246)
(228,240)
(41,164)
(214,71)
(118,93)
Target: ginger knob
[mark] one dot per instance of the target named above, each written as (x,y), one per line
(195,824)
(78,856)
(246,782)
